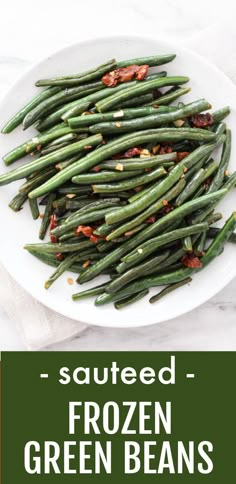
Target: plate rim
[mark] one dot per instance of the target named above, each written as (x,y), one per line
(50,305)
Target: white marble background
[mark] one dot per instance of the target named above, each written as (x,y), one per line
(30,30)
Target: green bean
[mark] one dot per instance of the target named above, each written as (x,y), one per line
(34,208)
(169,289)
(222,237)
(62,97)
(220,174)
(131,183)
(67,236)
(139,163)
(152,209)
(75,108)
(221,114)
(195,182)
(200,152)
(51,260)
(50,159)
(158,227)
(214,231)
(47,215)
(90,206)
(200,245)
(137,101)
(170,261)
(214,217)
(18,201)
(63,164)
(139,194)
(131,299)
(230,182)
(94,291)
(147,248)
(134,91)
(112,148)
(104,176)
(58,247)
(219,128)
(149,121)
(170,96)
(18,117)
(74,190)
(136,272)
(199,192)
(33,144)
(52,149)
(145,283)
(55,117)
(80,219)
(187,244)
(37,179)
(143,202)
(105,229)
(82,77)
(154,60)
(90,119)
(196,167)
(63,266)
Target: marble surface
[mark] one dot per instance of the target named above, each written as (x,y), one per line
(57,24)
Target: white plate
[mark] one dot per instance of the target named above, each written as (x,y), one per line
(18,229)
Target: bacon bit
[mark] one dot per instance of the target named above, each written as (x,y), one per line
(87,147)
(125,74)
(85,113)
(165,149)
(155,106)
(94,238)
(164,202)
(155,149)
(86,230)
(70,281)
(104,142)
(53,224)
(202,120)
(180,155)
(118,125)
(226,172)
(167,208)
(207,182)
(59,256)
(32,154)
(41,215)
(39,147)
(191,260)
(96,168)
(185,169)
(148,169)
(151,220)
(137,189)
(129,153)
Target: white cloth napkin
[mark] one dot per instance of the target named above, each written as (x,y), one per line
(40,326)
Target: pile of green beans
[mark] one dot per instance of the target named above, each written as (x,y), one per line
(128,180)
